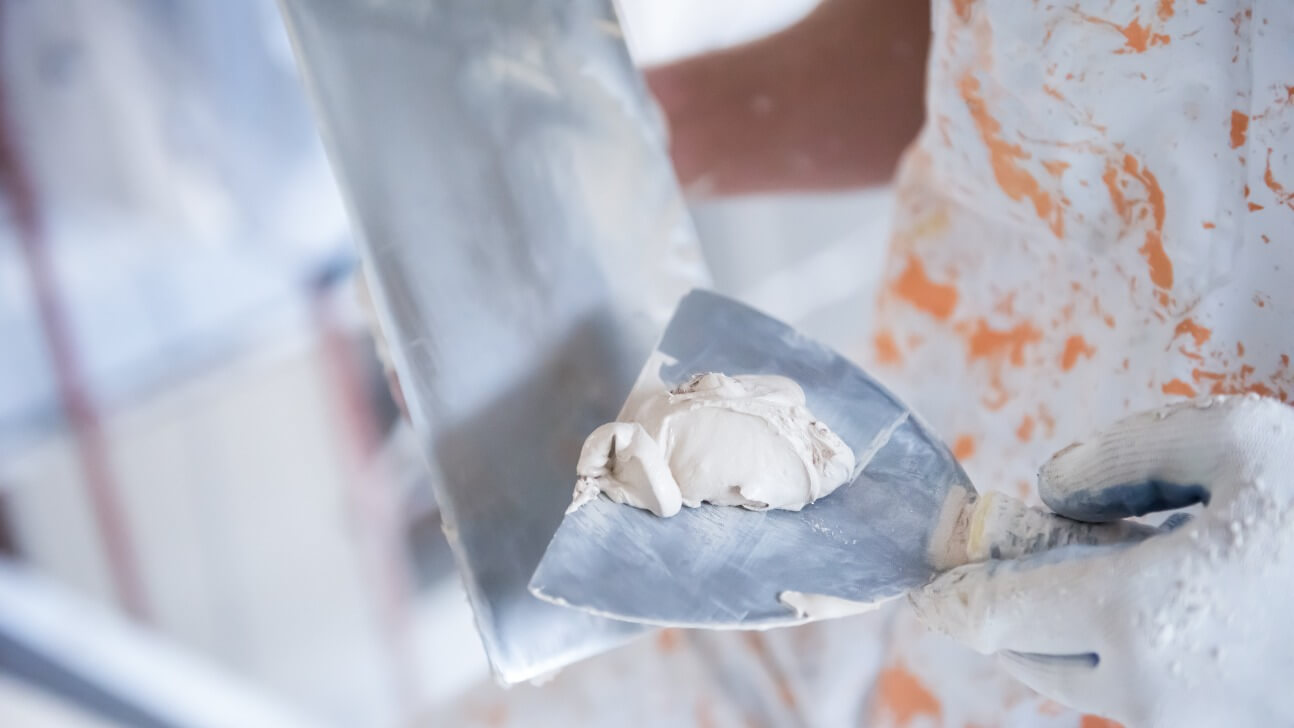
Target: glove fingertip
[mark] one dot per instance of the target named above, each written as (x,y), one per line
(1125,500)
(1111,477)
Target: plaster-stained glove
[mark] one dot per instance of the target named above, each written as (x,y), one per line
(1192,627)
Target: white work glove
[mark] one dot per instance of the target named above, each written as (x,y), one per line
(1192,627)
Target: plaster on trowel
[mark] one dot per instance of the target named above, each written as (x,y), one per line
(909,513)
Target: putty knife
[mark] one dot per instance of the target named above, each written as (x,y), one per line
(909,513)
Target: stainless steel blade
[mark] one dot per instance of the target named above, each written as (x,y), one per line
(526,241)
(725,567)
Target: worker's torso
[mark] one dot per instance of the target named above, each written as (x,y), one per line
(1098,218)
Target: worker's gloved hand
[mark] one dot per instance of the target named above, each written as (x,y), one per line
(1192,627)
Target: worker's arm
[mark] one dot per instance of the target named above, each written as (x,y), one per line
(829,103)
(1188,628)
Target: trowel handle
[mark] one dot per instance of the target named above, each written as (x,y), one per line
(997,526)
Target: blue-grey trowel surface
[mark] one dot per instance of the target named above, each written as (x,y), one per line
(717,566)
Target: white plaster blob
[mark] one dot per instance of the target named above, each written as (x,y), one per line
(744,440)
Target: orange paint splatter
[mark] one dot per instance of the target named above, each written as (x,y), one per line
(756,643)
(1096,721)
(1050,707)
(963,8)
(1075,346)
(1137,38)
(915,287)
(1154,195)
(1014,180)
(986,342)
(1239,128)
(901,695)
(667,640)
(1025,431)
(1255,207)
(1111,180)
(1160,266)
(1242,379)
(998,347)
(1165,9)
(943,123)
(1022,489)
(1048,422)
(1006,306)
(1055,166)
(1207,225)
(1178,387)
(1199,333)
(1053,92)
(704,716)
(964,447)
(1269,179)
(1200,375)
(887,349)
(1240,348)
(1259,389)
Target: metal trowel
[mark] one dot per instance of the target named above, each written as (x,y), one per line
(525,240)
(909,513)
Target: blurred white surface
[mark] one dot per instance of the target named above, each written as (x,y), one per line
(24,706)
(183,193)
(187,209)
(235,488)
(663,30)
(135,667)
(813,261)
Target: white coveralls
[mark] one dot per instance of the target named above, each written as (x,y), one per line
(1097,218)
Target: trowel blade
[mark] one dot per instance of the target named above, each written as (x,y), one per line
(725,567)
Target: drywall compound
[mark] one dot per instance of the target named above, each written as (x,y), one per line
(744,440)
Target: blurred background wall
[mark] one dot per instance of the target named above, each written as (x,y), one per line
(197,447)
